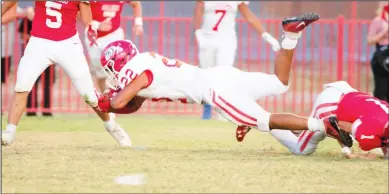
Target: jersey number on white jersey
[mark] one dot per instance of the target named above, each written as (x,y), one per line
(130,75)
(51,12)
(222,13)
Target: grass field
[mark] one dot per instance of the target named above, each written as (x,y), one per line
(75,154)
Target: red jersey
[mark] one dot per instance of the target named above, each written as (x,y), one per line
(101,10)
(369,116)
(55,20)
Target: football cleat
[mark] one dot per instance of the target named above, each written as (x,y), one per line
(241,132)
(333,130)
(296,24)
(7,137)
(120,135)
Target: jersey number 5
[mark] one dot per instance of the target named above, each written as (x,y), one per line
(223,13)
(54,13)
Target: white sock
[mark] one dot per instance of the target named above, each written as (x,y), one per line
(315,124)
(109,124)
(290,40)
(10,128)
(287,138)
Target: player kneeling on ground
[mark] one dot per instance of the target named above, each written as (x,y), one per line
(361,115)
(232,93)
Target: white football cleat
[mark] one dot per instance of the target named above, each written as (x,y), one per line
(7,137)
(120,135)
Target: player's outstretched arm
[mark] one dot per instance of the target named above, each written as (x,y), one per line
(257,25)
(85,13)
(349,154)
(198,20)
(129,91)
(198,15)
(133,106)
(6,5)
(138,21)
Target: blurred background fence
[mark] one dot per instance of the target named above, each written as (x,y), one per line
(334,48)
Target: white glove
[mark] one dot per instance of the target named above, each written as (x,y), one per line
(272,41)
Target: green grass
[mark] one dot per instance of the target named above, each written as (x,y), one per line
(75,154)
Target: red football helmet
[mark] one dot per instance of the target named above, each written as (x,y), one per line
(114,57)
(385,12)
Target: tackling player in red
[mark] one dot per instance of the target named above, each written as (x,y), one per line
(55,40)
(361,115)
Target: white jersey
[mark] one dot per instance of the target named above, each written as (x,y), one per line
(220,16)
(170,79)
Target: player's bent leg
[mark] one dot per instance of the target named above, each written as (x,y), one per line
(293,27)
(32,64)
(258,84)
(305,144)
(308,141)
(285,121)
(241,110)
(76,67)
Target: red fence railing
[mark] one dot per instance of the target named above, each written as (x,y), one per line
(330,50)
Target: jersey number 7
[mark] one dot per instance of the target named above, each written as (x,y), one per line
(223,13)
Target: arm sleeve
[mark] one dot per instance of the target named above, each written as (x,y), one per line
(368,131)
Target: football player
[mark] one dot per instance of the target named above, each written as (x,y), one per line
(54,40)
(232,92)
(361,115)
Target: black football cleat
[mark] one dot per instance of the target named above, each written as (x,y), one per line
(296,24)
(333,130)
(332,127)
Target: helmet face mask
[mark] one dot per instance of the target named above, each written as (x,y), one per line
(113,59)
(112,77)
